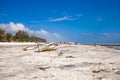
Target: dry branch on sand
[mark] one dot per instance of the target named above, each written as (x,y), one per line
(47,47)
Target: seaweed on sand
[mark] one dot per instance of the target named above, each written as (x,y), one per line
(70,57)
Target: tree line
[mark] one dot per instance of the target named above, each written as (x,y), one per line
(20,36)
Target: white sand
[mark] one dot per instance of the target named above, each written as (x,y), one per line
(90,63)
(16,43)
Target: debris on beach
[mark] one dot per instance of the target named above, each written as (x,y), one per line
(70,57)
(48,49)
(74,62)
(60,54)
(44,48)
(43,67)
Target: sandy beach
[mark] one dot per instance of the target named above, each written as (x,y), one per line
(87,62)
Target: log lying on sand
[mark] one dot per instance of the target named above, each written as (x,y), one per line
(47,47)
(29,48)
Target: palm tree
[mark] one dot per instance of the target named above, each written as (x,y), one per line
(8,36)
(22,36)
(2,32)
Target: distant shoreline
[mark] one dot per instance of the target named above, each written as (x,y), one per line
(102,44)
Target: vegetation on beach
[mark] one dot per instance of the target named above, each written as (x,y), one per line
(60,54)
(70,57)
(20,36)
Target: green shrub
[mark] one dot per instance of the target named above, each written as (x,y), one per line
(70,57)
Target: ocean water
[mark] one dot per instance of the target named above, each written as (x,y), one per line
(113,46)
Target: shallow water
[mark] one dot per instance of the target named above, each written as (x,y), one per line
(117,47)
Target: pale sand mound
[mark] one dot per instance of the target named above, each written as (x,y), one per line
(87,63)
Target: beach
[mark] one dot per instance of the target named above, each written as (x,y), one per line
(68,62)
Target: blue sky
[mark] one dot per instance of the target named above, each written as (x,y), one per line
(84,21)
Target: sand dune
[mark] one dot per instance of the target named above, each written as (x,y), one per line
(87,63)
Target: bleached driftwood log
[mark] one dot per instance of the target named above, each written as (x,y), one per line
(46,47)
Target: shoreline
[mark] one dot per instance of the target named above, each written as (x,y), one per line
(22,43)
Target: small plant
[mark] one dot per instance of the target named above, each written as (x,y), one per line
(70,57)
(60,54)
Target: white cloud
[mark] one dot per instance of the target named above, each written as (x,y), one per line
(13,28)
(57,35)
(65,18)
(57,19)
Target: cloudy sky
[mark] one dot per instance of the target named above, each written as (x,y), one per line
(84,21)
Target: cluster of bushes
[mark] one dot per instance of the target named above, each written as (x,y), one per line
(20,36)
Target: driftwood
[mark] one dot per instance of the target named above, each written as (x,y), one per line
(47,47)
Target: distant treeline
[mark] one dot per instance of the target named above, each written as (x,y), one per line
(20,36)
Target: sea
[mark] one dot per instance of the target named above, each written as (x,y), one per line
(113,46)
